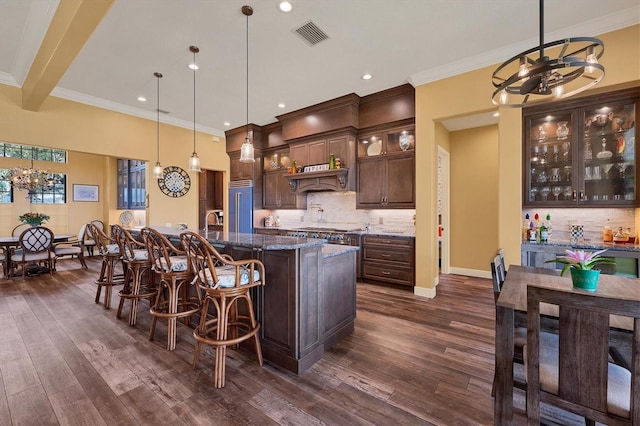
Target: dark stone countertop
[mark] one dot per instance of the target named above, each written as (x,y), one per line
(373,232)
(330,250)
(591,245)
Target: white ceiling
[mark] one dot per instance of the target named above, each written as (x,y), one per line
(399,41)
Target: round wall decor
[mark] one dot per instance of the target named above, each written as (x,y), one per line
(175,181)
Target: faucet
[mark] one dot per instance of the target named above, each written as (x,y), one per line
(320,211)
(206,219)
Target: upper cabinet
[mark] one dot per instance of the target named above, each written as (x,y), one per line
(582,152)
(386,167)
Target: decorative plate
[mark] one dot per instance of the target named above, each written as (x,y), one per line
(375,148)
(404,142)
(126,217)
(175,181)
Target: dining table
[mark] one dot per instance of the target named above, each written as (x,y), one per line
(513,297)
(8,243)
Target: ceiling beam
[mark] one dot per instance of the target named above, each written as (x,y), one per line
(71,27)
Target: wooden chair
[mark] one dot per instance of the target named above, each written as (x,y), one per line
(35,246)
(20,229)
(4,261)
(171,265)
(576,376)
(110,252)
(225,283)
(137,263)
(71,248)
(86,239)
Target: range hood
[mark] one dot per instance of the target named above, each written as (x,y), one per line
(326,180)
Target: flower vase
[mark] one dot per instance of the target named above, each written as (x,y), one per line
(585,279)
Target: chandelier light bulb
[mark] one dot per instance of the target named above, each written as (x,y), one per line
(524,68)
(504,97)
(194,163)
(157,171)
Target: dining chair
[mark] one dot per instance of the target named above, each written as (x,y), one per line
(173,298)
(19,229)
(36,246)
(86,239)
(110,252)
(4,262)
(576,375)
(137,267)
(226,283)
(73,248)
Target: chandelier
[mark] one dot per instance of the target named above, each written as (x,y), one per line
(32,180)
(563,68)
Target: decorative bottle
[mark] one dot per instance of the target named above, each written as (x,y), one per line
(332,161)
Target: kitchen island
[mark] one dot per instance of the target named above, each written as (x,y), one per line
(308,302)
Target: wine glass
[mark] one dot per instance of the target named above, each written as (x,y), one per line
(545,191)
(532,193)
(606,168)
(556,191)
(565,150)
(622,167)
(568,192)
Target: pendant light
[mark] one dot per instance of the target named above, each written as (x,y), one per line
(525,77)
(246,151)
(194,161)
(157,169)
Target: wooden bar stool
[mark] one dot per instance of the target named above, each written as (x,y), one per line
(110,252)
(175,274)
(226,283)
(136,260)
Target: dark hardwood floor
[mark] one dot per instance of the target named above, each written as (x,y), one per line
(66,360)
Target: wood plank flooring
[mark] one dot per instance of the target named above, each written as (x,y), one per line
(411,361)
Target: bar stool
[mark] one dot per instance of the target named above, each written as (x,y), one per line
(175,273)
(110,252)
(226,283)
(137,263)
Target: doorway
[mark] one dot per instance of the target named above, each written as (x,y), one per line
(211,199)
(443,210)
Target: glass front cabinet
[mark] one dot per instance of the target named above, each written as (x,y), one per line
(582,152)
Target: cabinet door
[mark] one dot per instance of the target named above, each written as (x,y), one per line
(218,190)
(343,149)
(287,197)
(318,152)
(270,190)
(400,178)
(300,153)
(238,170)
(371,177)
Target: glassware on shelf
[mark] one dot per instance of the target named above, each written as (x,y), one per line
(604,153)
(567,192)
(602,121)
(587,173)
(542,177)
(544,192)
(596,173)
(542,134)
(606,168)
(587,127)
(556,191)
(619,122)
(562,131)
(566,148)
(556,153)
(555,175)
(588,154)
(621,168)
(532,193)
(567,173)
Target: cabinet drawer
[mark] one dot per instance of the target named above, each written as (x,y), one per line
(387,273)
(399,256)
(386,241)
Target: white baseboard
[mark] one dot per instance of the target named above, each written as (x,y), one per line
(471,272)
(425,292)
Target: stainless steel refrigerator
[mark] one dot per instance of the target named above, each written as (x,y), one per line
(241,206)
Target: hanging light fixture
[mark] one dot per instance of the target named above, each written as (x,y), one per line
(32,180)
(157,169)
(194,161)
(573,69)
(246,150)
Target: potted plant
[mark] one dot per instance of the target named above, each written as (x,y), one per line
(34,219)
(581,264)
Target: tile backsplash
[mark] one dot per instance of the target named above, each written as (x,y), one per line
(338,210)
(592,219)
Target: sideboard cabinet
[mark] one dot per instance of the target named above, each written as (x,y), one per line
(581,153)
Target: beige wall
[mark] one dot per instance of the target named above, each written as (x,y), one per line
(474,198)
(470,93)
(85,129)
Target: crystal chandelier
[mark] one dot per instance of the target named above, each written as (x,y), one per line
(32,180)
(562,68)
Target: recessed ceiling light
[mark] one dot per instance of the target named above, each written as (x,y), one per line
(226,123)
(281,105)
(193,66)
(366,76)
(496,114)
(285,6)
(142,99)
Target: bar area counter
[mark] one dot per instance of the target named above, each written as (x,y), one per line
(308,302)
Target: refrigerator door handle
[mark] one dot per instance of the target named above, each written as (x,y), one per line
(237,212)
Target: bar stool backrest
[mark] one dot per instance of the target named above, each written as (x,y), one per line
(161,251)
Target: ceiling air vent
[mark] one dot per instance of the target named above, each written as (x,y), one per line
(311,33)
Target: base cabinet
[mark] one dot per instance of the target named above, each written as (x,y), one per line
(388,259)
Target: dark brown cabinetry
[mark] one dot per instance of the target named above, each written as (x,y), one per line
(277,193)
(388,259)
(210,194)
(581,153)
(386,168)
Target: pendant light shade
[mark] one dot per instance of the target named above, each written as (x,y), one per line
(568,67)
(246,151)
(157,169)
(194,161)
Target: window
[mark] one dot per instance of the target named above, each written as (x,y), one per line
(54,194)
(132,192)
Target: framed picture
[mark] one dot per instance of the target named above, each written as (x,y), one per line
(85,192)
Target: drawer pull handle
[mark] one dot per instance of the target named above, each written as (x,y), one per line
(385,255)
(386,273)
(387,241)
